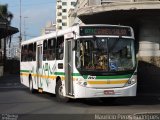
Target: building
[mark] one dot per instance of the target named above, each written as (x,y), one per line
(62,12)
(49,28)
(144,17)
(73,19)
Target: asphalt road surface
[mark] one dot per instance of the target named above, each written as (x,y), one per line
(17,102)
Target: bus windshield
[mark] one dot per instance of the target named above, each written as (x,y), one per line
(105,54)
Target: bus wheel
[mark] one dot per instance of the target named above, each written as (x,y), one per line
(59,93)
(31,85)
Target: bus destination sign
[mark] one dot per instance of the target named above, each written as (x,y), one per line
(105,30)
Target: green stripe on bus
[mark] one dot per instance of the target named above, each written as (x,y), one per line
(110,77)
(76,74)
(105,77)
(114,77)
(59,73)
(25,71)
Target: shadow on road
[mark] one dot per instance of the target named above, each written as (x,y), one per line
(124,101)
(138,100)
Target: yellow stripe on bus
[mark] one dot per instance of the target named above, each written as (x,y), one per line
(42,76)
(34,75)
(107,82)
(24,74)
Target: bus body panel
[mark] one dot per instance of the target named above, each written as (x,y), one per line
(27,68)
(48,76)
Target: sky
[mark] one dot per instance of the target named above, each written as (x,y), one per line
(35,15)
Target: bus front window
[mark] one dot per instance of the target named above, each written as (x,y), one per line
(90,57)
(121,54)
(105,54)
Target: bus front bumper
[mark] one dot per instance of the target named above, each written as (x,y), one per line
(84,92)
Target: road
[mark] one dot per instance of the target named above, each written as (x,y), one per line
(15,99)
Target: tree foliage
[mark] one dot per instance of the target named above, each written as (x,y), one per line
(5,14)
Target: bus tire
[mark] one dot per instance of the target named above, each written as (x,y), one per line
(59,93)
(32,90)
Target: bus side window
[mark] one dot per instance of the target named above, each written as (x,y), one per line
(51,49)
(34,51)
(22,53)
(30,52)
(25,53)
(45,50)
(60,48)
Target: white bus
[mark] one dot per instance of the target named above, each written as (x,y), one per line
(90,61)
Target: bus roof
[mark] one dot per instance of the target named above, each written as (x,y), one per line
(62,32)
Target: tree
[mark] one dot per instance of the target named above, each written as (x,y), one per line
(5,19)
(5,14)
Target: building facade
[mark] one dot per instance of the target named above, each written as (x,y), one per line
(62,13)
(144,17)
(49,28)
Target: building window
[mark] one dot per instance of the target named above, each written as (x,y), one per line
(59,7)
(73,3)
(59,20)
(64,3)
(64,24)
(64,17)
(59,14)
(59,27)
(64,10)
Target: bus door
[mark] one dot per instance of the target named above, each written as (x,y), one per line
(69,67)
(39,66)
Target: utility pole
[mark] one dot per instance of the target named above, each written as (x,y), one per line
(25,27)
(20,32)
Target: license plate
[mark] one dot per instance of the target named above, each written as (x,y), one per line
(109,92)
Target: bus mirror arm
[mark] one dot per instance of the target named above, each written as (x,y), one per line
(75,46)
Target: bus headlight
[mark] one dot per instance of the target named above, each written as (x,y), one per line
(131,81)
(81,82)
